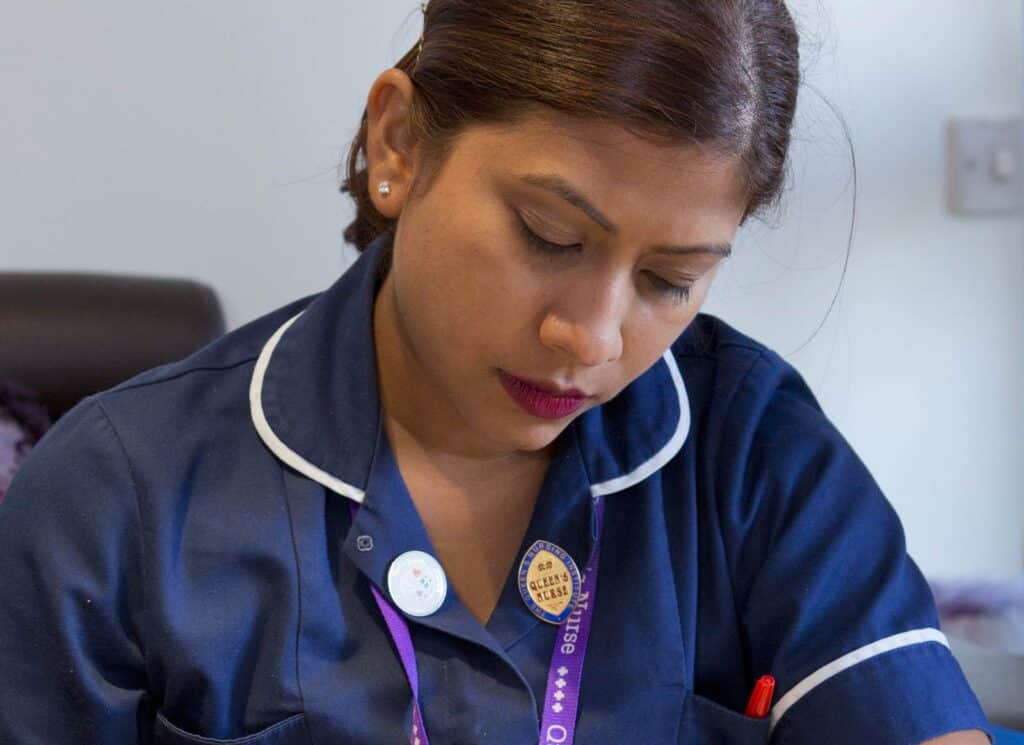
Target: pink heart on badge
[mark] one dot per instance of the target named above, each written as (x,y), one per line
(417,572)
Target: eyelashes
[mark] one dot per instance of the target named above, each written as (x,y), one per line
(676,293)
(679,293)
(541,245)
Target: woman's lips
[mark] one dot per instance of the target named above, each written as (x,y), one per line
(540,402)
(552,389)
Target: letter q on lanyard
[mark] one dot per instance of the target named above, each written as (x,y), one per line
(561,702)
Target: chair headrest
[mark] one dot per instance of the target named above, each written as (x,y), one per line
(67,335)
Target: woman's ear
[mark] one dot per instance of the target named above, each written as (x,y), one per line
(390,152)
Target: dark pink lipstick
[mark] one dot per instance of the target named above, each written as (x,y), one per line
(539,402)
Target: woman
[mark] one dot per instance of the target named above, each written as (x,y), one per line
(500,482)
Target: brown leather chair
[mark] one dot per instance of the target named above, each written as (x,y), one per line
(67,335)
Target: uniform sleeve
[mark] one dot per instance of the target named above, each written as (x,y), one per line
(71,664)
(829,601)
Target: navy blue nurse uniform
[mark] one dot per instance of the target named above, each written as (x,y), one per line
(178,562)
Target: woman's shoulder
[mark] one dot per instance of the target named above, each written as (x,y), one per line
(733,377)
(755,421)
(234,349)
(709,336)
(187,391)
(168,413)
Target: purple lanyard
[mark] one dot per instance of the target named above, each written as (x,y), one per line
(562,700)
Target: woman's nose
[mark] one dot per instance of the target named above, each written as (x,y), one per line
(586,325)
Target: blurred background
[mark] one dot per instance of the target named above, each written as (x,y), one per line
(202,140)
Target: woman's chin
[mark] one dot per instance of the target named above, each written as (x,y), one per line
(527,433)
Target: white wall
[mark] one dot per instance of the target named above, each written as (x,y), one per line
(201,139)
(921,364)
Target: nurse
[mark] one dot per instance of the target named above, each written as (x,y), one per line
(501,482)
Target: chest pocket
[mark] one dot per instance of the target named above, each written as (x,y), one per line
(290,731)
(706,722)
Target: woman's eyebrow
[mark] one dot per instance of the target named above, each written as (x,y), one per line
(572,195)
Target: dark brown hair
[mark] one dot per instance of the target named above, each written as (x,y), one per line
(719,74)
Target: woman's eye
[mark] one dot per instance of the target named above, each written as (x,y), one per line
(678,293)
(541,245)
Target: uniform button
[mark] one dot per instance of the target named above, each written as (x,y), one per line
(364,543)
(417,583)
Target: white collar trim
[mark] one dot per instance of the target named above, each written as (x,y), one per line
(669,451)
(303,466)
(272,441)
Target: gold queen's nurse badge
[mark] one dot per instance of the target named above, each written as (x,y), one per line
(549,582)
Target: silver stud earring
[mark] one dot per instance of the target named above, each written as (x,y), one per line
(384,188)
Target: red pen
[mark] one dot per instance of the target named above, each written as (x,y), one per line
(761,699)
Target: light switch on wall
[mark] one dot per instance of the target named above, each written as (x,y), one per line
(984,167)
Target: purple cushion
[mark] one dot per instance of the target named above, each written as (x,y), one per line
(23,420)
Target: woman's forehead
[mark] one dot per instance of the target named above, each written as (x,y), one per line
(562,138)
(610,164)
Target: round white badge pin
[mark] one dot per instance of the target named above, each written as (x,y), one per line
(417,583)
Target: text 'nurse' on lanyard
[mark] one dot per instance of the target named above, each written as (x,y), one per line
(552,589)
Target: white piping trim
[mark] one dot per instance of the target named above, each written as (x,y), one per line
(338,486)
(664,455)
(272,441)
(888,644)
